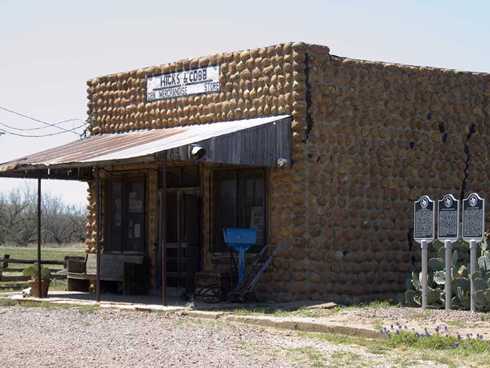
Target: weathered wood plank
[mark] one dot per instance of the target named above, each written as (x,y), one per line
(16,278)
(260,146)
(20,270)
(14,285)
(31,261)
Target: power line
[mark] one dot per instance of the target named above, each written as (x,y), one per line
(35,119)
(3,131)
(38,128)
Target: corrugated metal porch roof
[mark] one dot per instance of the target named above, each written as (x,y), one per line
(106,148)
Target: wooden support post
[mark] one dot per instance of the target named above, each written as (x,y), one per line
(6,258)
(39,240)
(5,264)
(163,232)
(97,236)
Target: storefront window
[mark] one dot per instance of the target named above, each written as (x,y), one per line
(239,201)
(125,222)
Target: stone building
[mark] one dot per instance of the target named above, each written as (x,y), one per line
(320,153)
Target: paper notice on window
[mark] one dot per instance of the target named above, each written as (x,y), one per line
(135,205)
(137,231)
(257,222)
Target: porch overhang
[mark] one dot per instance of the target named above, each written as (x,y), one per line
(261,142)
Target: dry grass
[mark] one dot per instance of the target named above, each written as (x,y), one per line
(47,251)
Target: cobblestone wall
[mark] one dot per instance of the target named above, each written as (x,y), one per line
(368,139)
(261,82)
(381,135)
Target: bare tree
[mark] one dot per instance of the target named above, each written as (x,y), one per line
(20,216)
(18,219)
(62,223)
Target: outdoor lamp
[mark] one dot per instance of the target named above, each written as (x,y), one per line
(197,152)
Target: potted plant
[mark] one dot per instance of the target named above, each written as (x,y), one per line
(32,272)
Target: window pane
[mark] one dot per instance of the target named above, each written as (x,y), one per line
(225,205)
(114,241)
(239,202)
(252,203)
(190,221)
(171,217)
(135,240)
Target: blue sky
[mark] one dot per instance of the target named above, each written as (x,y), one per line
(48,49)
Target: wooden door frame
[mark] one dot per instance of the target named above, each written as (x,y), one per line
(162,226)
(180,202)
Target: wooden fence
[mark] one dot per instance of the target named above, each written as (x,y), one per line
(11,270)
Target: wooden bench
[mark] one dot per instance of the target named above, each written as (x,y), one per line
(82,274)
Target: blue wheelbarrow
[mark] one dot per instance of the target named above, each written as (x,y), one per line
(240,240)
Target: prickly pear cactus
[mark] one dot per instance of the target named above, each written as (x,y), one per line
(482,300)
(460,282)
(439,277)
(460,278)
(480,284)
(463,297)
(484,262)
(412,298)
(436,264)
(416,283)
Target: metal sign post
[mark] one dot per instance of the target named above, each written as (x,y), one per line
(448,260)
(423,233)
(448,232)
(473,231)
(424,244)
(473,248)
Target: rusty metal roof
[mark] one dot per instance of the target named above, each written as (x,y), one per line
(106,148)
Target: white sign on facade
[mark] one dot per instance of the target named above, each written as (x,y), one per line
(184,83)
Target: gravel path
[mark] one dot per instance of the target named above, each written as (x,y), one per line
(40,337)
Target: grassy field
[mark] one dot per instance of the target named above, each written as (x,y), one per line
(48,252)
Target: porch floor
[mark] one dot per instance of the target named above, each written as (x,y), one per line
(130,302)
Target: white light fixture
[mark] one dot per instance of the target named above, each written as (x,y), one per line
(197,152)
(282,162)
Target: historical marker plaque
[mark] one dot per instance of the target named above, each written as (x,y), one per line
(473,217)
(423,219)
(448,219)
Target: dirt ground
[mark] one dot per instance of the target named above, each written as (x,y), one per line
(94,337)
(377,317)
(453,322)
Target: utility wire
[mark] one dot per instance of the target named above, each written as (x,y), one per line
(38,128)
(35,119)
(3,131)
